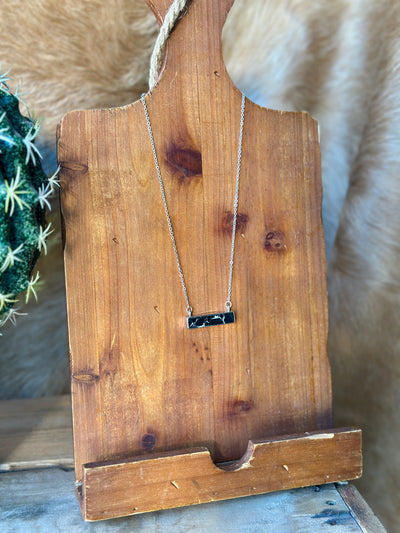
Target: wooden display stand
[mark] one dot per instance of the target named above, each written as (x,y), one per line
(165,416)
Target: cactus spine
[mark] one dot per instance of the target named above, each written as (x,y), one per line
(24,192)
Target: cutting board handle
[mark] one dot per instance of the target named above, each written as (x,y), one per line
(160,7)
(197,35)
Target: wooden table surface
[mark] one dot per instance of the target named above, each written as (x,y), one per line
(43,501)
(37,489)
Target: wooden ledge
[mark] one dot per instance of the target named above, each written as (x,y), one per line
(177,479)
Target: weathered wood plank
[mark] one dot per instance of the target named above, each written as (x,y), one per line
(43,500)
(172,480)
(360,511)
(36,433)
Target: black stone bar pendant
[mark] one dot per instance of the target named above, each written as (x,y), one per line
(216,319)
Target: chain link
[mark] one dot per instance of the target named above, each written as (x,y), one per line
(228,303)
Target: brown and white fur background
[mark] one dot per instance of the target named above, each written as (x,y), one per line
(337,59)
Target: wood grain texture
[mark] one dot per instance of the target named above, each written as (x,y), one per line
(176,480)
(359,510)
(141,382)
(36,433)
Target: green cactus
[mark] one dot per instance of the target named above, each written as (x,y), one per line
(24,193)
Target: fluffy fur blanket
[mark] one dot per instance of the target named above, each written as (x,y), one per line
(339,60)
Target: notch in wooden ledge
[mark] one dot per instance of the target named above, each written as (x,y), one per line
(177,479)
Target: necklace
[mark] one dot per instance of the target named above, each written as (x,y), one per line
(212,319)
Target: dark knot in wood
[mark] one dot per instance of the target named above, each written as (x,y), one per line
(227,223)
(184,162)
(274,241)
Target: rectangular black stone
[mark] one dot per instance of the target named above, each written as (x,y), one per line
(215,319)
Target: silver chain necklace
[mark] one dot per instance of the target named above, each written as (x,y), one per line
(213,319)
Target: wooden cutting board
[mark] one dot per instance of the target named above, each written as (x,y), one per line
(142,383)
